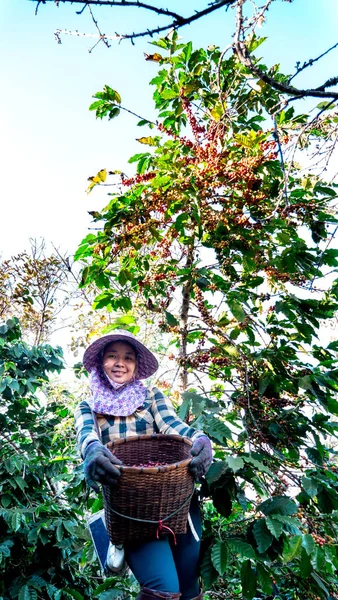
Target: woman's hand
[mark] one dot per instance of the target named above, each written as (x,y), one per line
(202,451)
(99,466)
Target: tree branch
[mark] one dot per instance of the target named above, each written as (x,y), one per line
(102,35)
(310,62)
(246,60)
(177,22)
(184,316)
(159,11)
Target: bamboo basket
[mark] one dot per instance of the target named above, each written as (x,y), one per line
(149,501)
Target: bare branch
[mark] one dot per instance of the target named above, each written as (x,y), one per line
(160,11)
(176,22)
(102,35)
(37,7)
(310,62)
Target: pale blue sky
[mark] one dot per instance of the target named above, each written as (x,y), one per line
(50,143)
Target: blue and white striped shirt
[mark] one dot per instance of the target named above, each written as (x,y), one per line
(156,415)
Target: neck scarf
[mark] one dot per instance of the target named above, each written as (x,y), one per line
(114,399)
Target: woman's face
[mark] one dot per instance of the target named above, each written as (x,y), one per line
(119,361)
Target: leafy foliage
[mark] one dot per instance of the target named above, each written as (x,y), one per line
(45,550)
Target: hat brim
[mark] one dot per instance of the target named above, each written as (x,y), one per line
(147,363)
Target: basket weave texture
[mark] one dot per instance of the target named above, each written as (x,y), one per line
(149,493)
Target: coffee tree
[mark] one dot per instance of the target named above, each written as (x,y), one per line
(225,238)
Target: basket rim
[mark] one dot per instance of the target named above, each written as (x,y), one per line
(152,470)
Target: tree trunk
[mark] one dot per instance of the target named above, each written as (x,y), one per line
(184,320)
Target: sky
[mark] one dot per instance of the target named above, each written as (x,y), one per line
(51,143)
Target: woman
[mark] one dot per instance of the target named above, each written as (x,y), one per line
(125,407)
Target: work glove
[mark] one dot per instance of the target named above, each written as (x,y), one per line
(202,452)
(99,466)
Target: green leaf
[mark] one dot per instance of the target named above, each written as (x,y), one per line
(320,582)
(111,594)
(218,430)
(262,535)
(59,532)
(248,580)
(6,500)
(318,558)
(305,565)
(253,43)
(292,547)
(125,303)
(219,556)
(143,122)
(280,505)
(326,104)
(310,486)
(27,593)
(138,157)
(37,582)
(237,310)
(124,276)
(108,583)
(108,94)
(257,464)
(291,524)
(84,276)
(264,579)
(96,104)
(196,401)
(171,320)
(21,483)
(69,526)
(244,549)
(274,527)
(215,471)
(180,222)
(308,543)
(43,535)
(16,521)
(235,463)
(183,409)
(324,190)
(208,571)
(73,594)
(14,385)
(5,549)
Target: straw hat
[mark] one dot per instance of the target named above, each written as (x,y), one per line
(146,362)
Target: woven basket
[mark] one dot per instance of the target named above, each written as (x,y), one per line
(149,499)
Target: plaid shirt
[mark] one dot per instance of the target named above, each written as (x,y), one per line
(156,415)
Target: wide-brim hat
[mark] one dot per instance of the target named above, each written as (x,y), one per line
(146,361)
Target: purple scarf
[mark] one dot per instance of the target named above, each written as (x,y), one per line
(114,400)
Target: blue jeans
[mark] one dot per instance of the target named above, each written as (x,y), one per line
(163,566)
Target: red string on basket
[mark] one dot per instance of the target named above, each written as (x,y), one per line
(159,529)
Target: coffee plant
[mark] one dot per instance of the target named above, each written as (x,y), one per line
(226,240)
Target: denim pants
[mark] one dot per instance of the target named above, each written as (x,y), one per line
(163,566)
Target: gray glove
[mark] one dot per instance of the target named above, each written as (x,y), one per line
(99,466)
(202,451)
